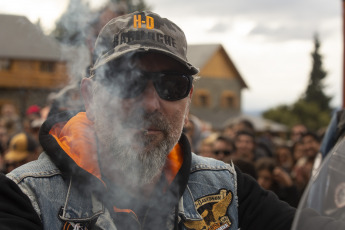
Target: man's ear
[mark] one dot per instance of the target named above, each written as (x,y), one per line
(86,92)
(191,93)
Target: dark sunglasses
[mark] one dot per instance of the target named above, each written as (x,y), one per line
(225,152)
(170,86)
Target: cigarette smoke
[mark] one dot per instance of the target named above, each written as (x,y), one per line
(122,129)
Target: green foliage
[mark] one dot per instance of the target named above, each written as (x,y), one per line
(301,112)
(312,109)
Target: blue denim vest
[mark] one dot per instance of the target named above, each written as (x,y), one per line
(208,202)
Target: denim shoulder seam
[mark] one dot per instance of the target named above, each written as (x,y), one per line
(19,178)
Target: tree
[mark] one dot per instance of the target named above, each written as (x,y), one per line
(315,90)
(312,109)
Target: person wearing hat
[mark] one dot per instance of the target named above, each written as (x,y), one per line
(124,162)
(22,149)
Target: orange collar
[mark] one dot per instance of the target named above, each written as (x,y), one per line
(77,138)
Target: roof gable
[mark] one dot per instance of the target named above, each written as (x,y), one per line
(19,38)
(213,61)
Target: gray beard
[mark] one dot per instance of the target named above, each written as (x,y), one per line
(138,166)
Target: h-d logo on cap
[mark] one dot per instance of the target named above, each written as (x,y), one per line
(137,21)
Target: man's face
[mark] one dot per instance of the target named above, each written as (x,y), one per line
(221,149)
(311,146)
(245,147)
(297,132)
(265,179)
(136,134)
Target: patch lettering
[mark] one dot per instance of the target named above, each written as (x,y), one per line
(70,226)
(213,209)
(137,21)
(131,36)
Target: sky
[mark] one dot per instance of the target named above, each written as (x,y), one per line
(269,41)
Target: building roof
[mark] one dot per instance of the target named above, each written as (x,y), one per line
(21,39)
(199,54)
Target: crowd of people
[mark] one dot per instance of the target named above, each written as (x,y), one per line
(19,142)
(280,163)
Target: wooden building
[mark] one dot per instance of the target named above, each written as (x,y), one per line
(217,93)
(31,65)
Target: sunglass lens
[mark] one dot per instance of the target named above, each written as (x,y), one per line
(132,84)
(172,87)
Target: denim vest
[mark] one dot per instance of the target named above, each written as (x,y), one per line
(208,202)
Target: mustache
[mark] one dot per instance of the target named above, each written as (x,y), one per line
(144,120)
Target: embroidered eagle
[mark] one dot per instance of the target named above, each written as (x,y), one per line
(213,218)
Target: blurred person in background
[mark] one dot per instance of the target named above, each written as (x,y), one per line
(245,146)
(3,147)
(274,178)
(22,149)
(231,129)
(298,151)
(4,137)
(10,119)
(244,125)
(297,132)
(284,157)
(32,113)
(223,149)
(311,144)
(194,130)
(206,146)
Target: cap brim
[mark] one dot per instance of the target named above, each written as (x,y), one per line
(189,67)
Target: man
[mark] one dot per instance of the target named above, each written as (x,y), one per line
(124,163)
(311,144)
(245,146)
(297,132)
(223,148)
(23,148)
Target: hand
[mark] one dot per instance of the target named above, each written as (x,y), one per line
(282,177)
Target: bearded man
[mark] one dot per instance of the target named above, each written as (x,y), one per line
(124,163)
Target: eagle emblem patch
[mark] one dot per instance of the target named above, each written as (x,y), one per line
(213,209)
(69,226)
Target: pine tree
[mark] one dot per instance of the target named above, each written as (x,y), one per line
(312,109)
(315,90)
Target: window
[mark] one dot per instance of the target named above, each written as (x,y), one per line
(228,100)
(202,98)
(5,64)
(47,66)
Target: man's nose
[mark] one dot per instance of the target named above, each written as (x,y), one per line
(150,98)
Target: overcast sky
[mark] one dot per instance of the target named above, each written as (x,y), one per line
(269,41)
